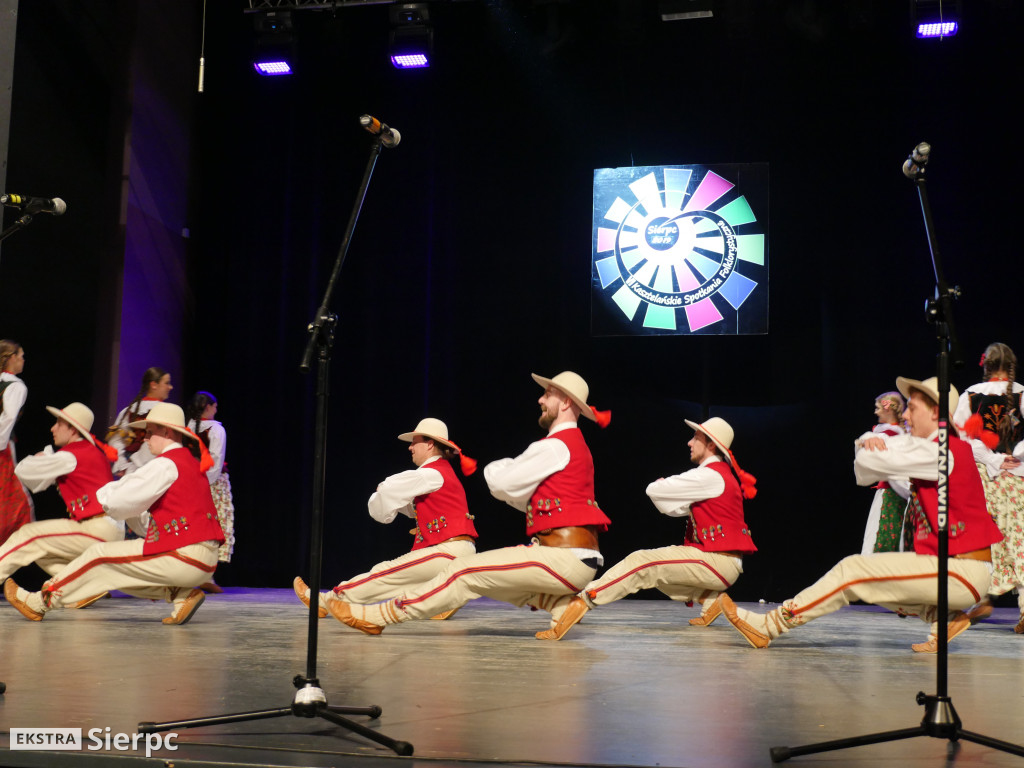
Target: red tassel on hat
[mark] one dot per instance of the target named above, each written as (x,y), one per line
(603,418)
(108,450)
(467,464)
(747,480)
(205,459)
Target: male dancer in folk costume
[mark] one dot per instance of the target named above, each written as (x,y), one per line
(181,538)
(553,483)
(717,536)
(905,582)
(79,467)
(432,495)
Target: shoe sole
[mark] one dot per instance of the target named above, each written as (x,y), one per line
(751,635)
(11,593)
(191,611)
(321,612)
(708,618)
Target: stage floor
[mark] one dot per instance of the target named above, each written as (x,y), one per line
(633,685)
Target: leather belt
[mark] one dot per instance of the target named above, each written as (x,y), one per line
(463,537)
(978,554)
(576,536)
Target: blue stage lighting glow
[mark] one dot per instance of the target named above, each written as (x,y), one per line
(410,60)
(937,29)
(269,68)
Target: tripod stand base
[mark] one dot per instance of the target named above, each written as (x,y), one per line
(310,701)
(940,721)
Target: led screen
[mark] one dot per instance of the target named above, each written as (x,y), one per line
(680,249)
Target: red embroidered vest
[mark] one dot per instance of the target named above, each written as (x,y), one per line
(969,524)
(443,514)
(717,525)
(566,498)
(185,513)
(78,489)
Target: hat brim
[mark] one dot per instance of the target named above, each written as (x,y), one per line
(58,413)
(718,443)
(406,437)
(585,409)
(146,422)
(906,386)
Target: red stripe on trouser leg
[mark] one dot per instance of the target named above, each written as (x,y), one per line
(512,574)
(683,573)
(388,579)
(121,565)
(895,580)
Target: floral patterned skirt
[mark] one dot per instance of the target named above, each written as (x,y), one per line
(892,525)
(221,491)
(1004,496)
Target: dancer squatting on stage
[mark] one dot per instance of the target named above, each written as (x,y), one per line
(181,538)
(552,482)
(711,557)
(904,582)
(432,495)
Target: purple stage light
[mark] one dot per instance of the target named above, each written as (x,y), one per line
(937,29)
(269,68)
(410,60)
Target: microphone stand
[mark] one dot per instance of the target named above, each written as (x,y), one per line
(310,700)
(940,718)
(17,226)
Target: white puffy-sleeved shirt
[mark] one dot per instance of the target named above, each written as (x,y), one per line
(39,471)
(673,496)
(992,461)
(14,397)
(396,493)
(905,456)
(218,445)
(130,498)
(514,480)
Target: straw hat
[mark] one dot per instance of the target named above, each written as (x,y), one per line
(78,416)
(166,415)
(573,385)
(718,431)
(435,429)
(929,387)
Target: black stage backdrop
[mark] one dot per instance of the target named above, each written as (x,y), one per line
(470,266)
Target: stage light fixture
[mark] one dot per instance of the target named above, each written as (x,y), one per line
(685,10)
(935,18)
(275,44)
(411,41)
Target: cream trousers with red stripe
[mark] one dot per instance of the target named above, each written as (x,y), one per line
(121,565)
(545,577)
(388,579)
(52,544)
(682,573)
(900,581)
